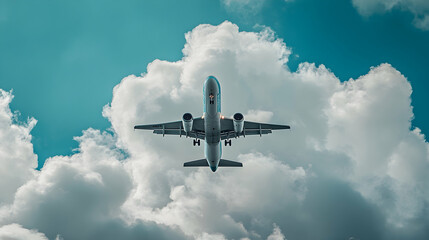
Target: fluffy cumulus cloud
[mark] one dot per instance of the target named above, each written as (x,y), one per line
(17,232)
(16,151)
(277,234)
(75,197)
(419,8)
(350,168)
(369,121)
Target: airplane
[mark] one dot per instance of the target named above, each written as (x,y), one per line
(213,128)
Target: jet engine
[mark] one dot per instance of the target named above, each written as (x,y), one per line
(238,122)
(187,121)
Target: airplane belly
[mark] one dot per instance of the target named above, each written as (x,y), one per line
(213,154)
(212,129)
(212,109)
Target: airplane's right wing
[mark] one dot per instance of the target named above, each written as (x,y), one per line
(250,128)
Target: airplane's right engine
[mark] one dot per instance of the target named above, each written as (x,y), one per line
(187,121)
(238,119)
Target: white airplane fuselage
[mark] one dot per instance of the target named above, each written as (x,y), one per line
(212,116)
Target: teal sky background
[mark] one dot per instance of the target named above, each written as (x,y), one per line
(63,58)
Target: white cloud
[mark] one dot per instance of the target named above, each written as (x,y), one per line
(277,234)
(369,121)
(80,196)
(419,8)
(204,201)
(16,151)
(350,156)
(322,111)
(259,115)
(206,236)
(17,232)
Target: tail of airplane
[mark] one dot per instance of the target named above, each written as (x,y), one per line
(197,163)
(228,163)
(203,163)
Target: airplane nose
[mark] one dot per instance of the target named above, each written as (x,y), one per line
(211,78)
(213,168)
(211,82)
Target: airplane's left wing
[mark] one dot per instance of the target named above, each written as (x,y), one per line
(250,128)
(176,128)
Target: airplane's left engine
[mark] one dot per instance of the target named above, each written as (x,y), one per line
(187,121)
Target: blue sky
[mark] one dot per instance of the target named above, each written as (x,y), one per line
(62,59)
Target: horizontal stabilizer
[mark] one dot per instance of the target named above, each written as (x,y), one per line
(228,163)
(197,163)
